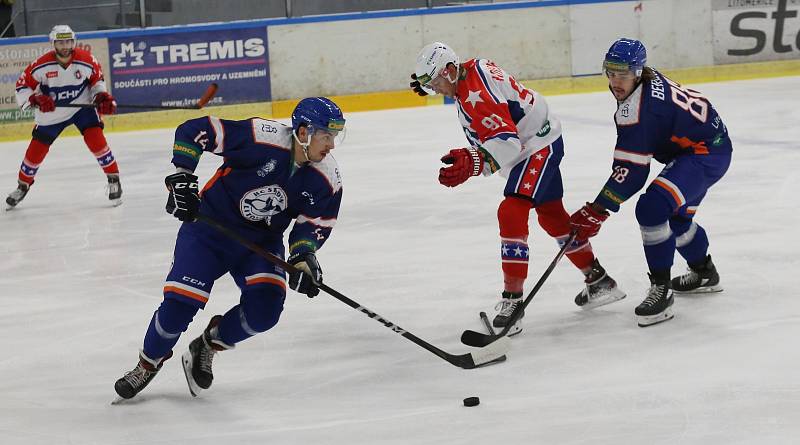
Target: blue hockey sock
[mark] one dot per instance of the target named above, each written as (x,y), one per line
(653,213)
(693,245)
(168,322)
(256,313)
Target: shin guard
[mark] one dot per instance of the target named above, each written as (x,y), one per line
(554,219)
(513,218)
(96,142)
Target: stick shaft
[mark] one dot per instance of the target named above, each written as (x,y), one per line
(455,360)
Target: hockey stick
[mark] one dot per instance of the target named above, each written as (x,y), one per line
(479,340)
(488,325)
(484,356)
(204,99)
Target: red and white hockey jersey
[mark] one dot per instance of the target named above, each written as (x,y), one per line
(78,82)
(508,121)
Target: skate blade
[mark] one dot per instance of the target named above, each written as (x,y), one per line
(186,360)
(649,320)
(700,290)
(116,202)
(602,301)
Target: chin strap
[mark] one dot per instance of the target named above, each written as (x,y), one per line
(304,145)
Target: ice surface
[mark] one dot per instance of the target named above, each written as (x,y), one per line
(79,282)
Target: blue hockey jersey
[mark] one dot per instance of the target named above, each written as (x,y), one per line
(663,120)
(259,188)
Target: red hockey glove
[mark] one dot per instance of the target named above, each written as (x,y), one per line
(105,103)
(464,163)
(587,221)
(44,102)
(416,86)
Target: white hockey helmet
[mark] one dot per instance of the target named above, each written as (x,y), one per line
(61,32)
(432,59)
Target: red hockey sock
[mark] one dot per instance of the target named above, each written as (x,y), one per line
(554,219)
(513,218)
(34,156)
(96,142)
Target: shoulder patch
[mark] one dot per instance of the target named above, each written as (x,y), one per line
(628,111)
(329,169)
(271,133)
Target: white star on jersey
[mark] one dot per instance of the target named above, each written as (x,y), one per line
(474,97)
(538,157)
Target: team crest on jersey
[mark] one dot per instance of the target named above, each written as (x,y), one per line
(267,168)
(263,203)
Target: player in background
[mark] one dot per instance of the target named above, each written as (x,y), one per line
(63,76)
(271,175)
(658,118)
(510,131)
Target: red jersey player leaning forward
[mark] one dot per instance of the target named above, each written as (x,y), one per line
(511,132)
(62,76)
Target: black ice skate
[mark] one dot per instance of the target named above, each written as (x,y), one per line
(136,379)
(702,278)
(197,360)
(600,289)
(114,189)
(17,195)
(506,306)
(657,306)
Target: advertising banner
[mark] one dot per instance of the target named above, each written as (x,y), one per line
(175,69)
(755,30)
(15,58)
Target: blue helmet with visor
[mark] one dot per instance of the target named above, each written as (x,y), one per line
(320,116)
(626,55)
(317,113)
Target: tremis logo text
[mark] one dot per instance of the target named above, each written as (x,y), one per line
(745,24)
(132,54)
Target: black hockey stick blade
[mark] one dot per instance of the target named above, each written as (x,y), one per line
(481,340)
(493,353)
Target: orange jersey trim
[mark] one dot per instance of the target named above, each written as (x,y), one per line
(185,293)
(684,142)
(266,280)
(672,192)
(220,173)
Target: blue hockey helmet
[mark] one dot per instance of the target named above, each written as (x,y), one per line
(626,55)
(318,113)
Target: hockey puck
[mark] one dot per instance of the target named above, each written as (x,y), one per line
(472,401)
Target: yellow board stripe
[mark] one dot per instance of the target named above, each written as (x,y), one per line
(282,109)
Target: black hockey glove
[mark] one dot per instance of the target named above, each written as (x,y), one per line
(308,281)
(184,199)
(416,86)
